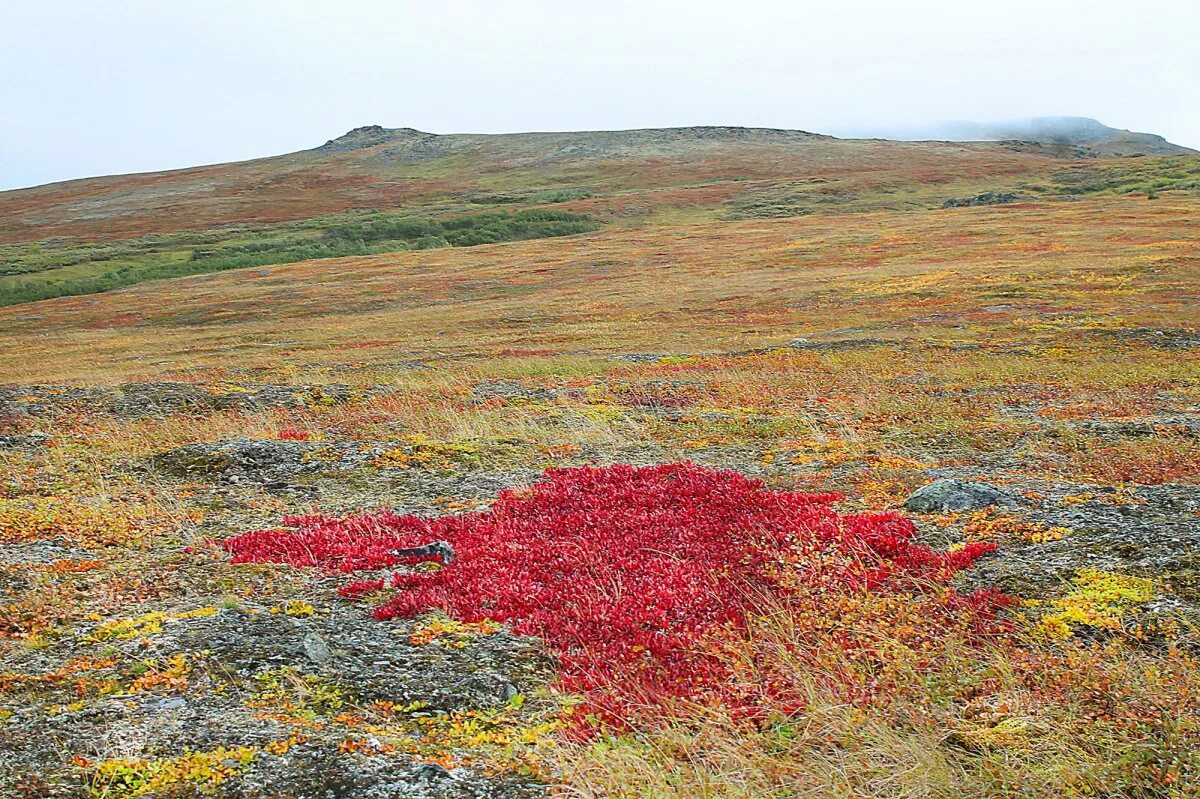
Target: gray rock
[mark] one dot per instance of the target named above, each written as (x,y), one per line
(316,648)
(164,398)
(32,440)
(510,390)
(838,345)
(1169,339)
(638,357)
(957,495)
(987,198)
(237,455)
(439,549)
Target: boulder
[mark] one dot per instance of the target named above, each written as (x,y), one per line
(987,198)
(243,456)
(957,495)
(316,648)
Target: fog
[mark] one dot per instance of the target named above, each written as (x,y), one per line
(93,88)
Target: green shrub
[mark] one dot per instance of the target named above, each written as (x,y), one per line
(33,267)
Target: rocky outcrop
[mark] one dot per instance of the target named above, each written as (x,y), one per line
(987,198)
(957,495)
(163,398)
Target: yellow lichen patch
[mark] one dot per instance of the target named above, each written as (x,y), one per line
(321,455)
(1099,600)
(833,452)
(420,452)
(191,772)
(303,696)
(1046,534)
(170,675)
(509,739)
(150,623)
(198,613)
(11,682)
(878,493)
(987,526)
(506,740)
(448,633)
(77,522)
(596,413)
(226,389)
(295,607)
(121,629)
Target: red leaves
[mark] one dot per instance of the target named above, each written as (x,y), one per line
(626,571)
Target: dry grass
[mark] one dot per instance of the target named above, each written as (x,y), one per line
(1007,720)
(973,277)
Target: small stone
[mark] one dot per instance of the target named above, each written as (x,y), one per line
(316,648)
(431,771)
(987,198)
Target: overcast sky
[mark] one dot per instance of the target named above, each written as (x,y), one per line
(94,87)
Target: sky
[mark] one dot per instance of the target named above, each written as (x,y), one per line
(91,87)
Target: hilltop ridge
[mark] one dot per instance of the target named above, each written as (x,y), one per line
(373,167)
(376,189)
(377,167)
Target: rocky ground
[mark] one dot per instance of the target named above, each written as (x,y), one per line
(140,662)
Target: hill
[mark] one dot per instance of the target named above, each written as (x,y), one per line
(375,190)
(373,167)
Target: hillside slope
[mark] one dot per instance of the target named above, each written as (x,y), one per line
(376,190)
(179,455)
(374,167)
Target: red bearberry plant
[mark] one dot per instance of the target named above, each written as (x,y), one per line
(639,579)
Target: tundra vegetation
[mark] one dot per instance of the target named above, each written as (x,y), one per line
(668,413)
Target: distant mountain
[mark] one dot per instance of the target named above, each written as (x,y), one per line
(613,173)
(1091,137)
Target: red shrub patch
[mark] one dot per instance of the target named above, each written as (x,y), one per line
(293,434)
(631,574)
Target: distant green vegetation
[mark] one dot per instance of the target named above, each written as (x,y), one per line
(464,231)
(1130,176)
(539,197)
(57,268)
